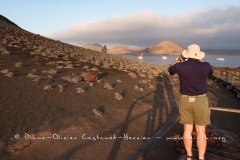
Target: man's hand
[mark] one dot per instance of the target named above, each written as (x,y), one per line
(175,62)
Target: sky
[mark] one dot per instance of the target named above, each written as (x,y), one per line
(213,24)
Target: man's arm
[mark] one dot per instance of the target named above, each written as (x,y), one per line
(210,71)
(171,68)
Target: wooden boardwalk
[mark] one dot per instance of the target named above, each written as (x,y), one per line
(214,154)
(228,77)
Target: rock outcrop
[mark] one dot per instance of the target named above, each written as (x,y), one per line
(104,49)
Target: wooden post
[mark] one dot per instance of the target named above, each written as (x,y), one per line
(226,76)
(232,80)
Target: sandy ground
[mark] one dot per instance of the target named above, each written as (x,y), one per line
(28,109)
(51,123)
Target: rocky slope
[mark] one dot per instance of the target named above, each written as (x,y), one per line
(15,37)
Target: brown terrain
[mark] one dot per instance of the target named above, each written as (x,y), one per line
(50,110)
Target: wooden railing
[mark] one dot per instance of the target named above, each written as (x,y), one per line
(229,77)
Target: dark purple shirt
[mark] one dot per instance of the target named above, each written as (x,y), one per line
(193,76)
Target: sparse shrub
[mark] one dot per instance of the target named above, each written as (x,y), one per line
(49,76)
(9,74)
(50,71)
(69,66)
(47,87)
(59,66)
(150,76)
(60,88)
(68,62)
(94,69)
(132,75)
(19,64)
(142,75)
(91,84)
(138,88)
(36,79)
(72,79)
(108,86)
(52,63)
(119,81)
(60,62)
(99,111)
(151,86)
(85,67)
(5,53)
(115,67)
(84,60)
(99,81)
(31,75)
(80,90)
(143,81)
(118,96)
(4,71)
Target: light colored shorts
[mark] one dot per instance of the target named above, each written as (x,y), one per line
(194,110)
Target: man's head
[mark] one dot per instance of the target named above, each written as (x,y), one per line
(193,51)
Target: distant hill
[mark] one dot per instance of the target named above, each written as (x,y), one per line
(165,47)
(8,21)
(124,50)
(95,47)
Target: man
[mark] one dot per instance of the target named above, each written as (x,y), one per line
(193,105)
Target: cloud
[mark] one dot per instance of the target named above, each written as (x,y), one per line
(218,28)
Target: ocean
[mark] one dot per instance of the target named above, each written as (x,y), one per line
(232,61)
